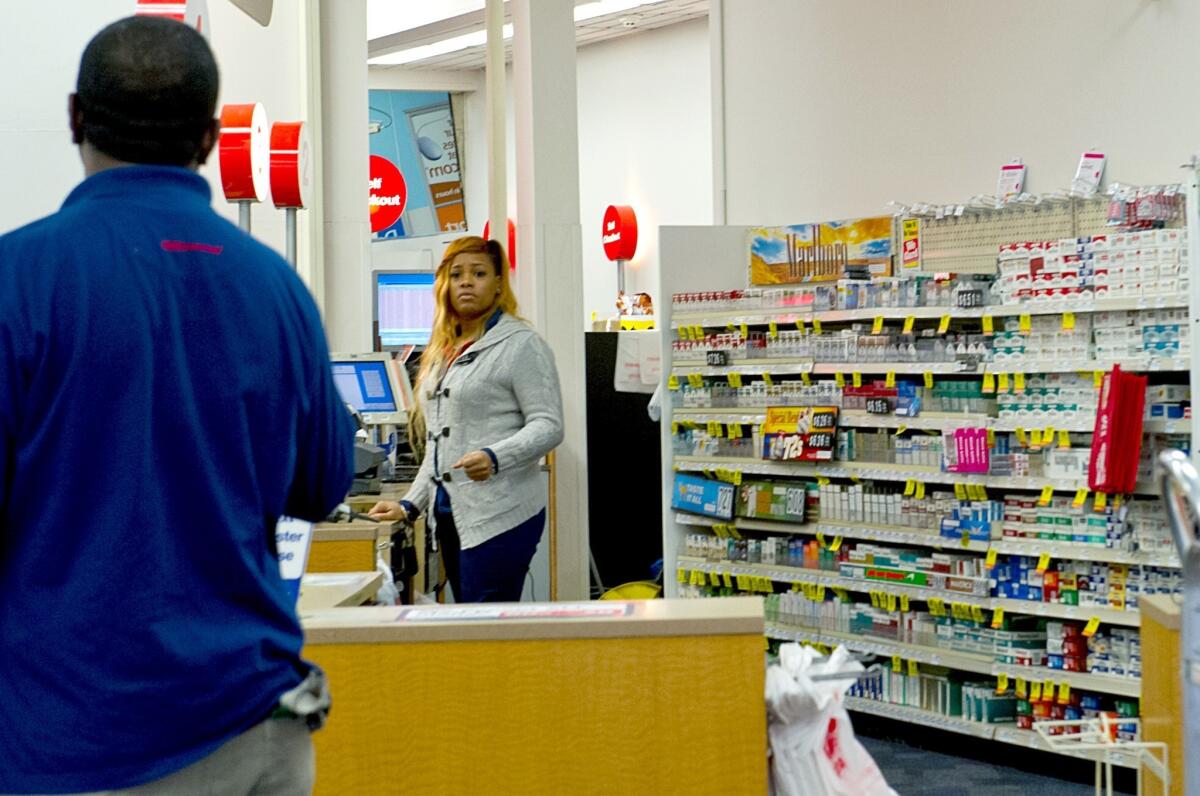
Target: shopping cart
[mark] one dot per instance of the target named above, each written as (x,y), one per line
(1179,483)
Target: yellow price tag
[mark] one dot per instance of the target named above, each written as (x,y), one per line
(903,602)
(892,603)
(998,618)
(989,560)
(772,329)
(807,379)
(977,613)
(960,491)
(1064,693)
(674,427)
(900,429)
(841,593)
(1091,627)
(682,575)
(839,379)
(1097,378)
(801,327)
(698,333)
(816,326)
(991,438)
(1018,382)
(965,539)
(836,544)
(920,494)
(1068,321)
(1021,438)
(1064,440)
(696,380)
(908,324)
(914,669)
(1001,382)
(726,580)
(1048,437)
(1100,502)
(944,324)
(1046,496)
(890,380)
(989,326)
(874,596)
(822,480)
(767,380)
(735,379)
(714,579)
(745,331)
(897,664)
(910,486)
(856,377)
(1043,563)
(1026,322)
(989,383)
(1048,691)
(1080,498)
(672,382)
(1002,683)
(1035,691)
(928,380)
(877,326)
(1022,688)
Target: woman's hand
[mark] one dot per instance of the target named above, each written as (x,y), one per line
(388,511)
(476,464)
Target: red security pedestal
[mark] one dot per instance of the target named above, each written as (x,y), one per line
(244,155)
(512,241)
(291,176)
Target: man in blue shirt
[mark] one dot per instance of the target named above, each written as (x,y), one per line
(165,396)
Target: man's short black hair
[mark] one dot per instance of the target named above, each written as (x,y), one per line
(147,91)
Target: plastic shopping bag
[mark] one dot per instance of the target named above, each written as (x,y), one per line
(814,751)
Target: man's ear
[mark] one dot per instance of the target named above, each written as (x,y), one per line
(75,119)
(208,141)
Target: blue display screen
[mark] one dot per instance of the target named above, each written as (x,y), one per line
(404,308)
(365,386)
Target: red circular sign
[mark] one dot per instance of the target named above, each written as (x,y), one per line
(389,193)
(619,233)
(512,241)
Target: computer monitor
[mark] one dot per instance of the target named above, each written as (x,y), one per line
(374,385)
(403,308)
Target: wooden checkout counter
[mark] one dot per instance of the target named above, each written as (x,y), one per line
(659,696)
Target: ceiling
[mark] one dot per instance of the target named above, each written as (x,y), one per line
(602,28)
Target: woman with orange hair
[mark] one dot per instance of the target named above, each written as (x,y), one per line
(488,393)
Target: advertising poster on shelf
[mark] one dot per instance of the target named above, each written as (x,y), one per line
(822,252)
(414,130)
(702,496)
(800,433)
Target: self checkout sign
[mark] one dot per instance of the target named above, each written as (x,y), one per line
(389,193)
(620,234)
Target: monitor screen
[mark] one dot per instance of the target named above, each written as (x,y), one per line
(365,385)
(404,308)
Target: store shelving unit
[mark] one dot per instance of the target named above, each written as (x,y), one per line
(698,259)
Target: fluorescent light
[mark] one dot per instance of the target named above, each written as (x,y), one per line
(453,44)
(601,8)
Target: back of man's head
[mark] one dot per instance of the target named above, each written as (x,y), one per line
(146,93)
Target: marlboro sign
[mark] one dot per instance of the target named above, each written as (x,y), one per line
(619,234)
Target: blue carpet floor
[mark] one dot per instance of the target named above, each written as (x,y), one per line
(914,771)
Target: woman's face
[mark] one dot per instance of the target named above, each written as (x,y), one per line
(474,285)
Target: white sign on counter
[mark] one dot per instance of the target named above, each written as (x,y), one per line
(460,613)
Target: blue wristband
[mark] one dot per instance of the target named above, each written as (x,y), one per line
(492,455)
(410,510)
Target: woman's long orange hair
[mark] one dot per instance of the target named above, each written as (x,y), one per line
(446,337)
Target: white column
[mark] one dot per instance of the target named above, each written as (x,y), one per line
(550,276)
(345,174)
(496,126)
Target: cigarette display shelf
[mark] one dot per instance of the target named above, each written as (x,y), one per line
(877,471)
(962,661)
(791,366)
(758,317)
(1005,733)
(926,421)
(784,574)
(1033,548)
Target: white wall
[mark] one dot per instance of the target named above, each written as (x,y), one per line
(835,108)
(40,58)
(645,140)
